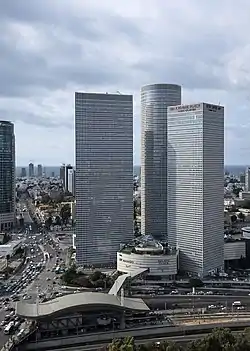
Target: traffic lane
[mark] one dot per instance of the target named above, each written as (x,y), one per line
(43,283)
(197,301)
(184,292)
(3,337)
(27,218)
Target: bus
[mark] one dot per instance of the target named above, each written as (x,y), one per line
(9,328)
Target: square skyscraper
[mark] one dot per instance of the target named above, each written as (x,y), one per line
(196,186)
(104,176)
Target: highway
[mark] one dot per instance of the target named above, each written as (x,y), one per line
(35,252)
(198,301)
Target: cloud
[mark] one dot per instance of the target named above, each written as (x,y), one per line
(49,49)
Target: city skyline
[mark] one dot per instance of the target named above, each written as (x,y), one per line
(208,58)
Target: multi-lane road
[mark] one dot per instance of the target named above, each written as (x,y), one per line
(196,301)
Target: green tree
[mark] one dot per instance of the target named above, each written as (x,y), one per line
(126,344)
(233,218)
(69,275)
(241,216)
(246,204)
(97,275)
(65,213)
(48,222)
(219,340)
(195,283)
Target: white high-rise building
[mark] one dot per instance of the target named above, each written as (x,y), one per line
(155,99)
(247,179)
(104,176)
(195,186)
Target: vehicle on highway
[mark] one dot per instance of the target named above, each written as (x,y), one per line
(8,329)
(236,303)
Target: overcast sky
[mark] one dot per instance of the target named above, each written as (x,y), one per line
(51,48)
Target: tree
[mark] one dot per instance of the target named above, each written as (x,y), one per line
(65,213)
(241,216)
(69,275)
(233,218)
(58,220)
(236,190)
(48,222)
(246,204)
(21,221)
(97,275)
(45,199)
(126,344)
(195,283)
(219,339)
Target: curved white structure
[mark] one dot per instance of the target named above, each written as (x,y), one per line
(163,265)
(81,301)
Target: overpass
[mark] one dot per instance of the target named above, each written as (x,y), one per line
(141,335)
(122,279)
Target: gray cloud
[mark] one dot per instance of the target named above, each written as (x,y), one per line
(49,49)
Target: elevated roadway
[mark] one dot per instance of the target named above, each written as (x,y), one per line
(143,335)
(199,301)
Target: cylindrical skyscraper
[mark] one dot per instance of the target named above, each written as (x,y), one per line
(155,99)
(7,176)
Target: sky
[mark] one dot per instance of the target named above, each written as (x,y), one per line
(49,49)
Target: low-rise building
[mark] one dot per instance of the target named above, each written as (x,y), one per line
(10,248)
(146,252)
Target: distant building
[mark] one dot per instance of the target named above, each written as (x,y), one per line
(247,179)
(70,180)
(242,178)
(31,170)
(23,172)
(104,176)
(62,174)
(39,171)
(53,174)
(195,186)
(7,176)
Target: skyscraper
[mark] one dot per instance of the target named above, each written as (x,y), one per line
(104,175)
(195,186)
(62,174)
(31,170)
(39,171)
(23,172)
(68,178)
(7,176)
(155,100)
(247,179)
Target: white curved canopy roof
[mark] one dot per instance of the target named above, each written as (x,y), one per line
(74,301)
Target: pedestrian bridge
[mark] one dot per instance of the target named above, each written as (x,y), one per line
(120,281)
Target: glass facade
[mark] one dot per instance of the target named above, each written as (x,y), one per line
(104,176)
(7,175)
(155,100)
